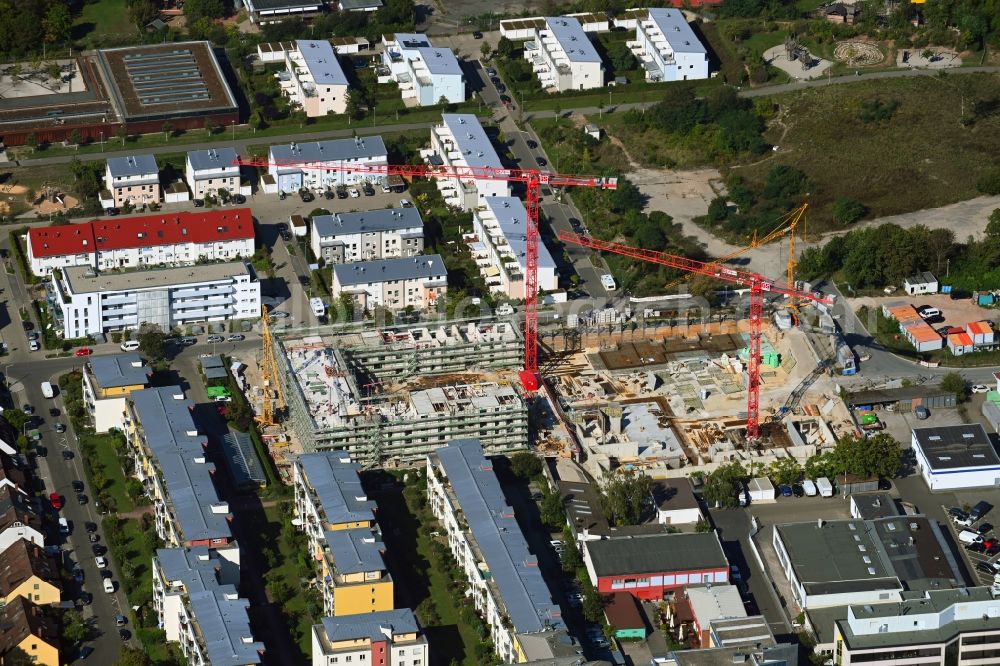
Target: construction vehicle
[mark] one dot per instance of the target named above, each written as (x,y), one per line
(758,284)
(533,180)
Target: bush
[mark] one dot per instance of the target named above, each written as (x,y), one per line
(847,210)
(989,182)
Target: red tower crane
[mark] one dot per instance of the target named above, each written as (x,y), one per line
(533,179)
(757,283)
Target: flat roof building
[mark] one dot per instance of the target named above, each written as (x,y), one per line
(366,235)
(264,12)
(667,47)
(960,456)
(395,284)
(290,175)
(499,244)
(484,537)
(313,78)
(107,382)
(389,638)
(832,563)
(563,57)
(425,74)
(460,141)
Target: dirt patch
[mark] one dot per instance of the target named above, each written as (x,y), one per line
(13,190)
(956,313)
(46,206)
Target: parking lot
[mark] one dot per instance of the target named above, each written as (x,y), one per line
(980,557)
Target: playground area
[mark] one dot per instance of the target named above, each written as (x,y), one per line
(795,60)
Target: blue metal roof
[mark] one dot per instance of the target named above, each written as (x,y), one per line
(676,29)
(367,221)
(220,614)
(322,62)
(338,486)
(498,536)
(213,159)
(426,266)
(133,165)
(357,550)
(373,626)
(440,61)
(119,370)
(179,453)
(471,140)
(571,37)
(360,148)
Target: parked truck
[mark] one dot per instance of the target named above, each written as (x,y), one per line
(824,486)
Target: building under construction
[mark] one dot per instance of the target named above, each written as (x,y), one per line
(392,396)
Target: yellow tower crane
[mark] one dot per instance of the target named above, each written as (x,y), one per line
(786,225)
(269,376)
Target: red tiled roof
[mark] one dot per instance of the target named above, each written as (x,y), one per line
(959,340)
(163,229)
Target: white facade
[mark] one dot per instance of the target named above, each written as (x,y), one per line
(460,141)
(364,236)
(314,78)
(299,166)
(499,247)
(563,57)
(922,283)
(668,48)
(394,284)
(425,74)
(134,180)
(139,242)
(208,171)
(955,457)
(93,304)
(385,638)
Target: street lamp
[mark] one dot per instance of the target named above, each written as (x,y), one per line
(102,141)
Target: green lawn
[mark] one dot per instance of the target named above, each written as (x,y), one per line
(100,452)
(419,584)
(102,22)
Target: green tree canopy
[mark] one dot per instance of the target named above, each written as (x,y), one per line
(525,465)
(954,382)
(624,495)
(153,342)
(876,456)
(721,485)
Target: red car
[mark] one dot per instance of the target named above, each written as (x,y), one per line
(57,501)
(990,543)
(84,351)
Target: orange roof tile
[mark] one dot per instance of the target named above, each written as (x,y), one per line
(959,340)
(979,328)
(922,332)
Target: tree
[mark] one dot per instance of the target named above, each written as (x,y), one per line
(167,128)
(484,50)
(195,10)
(866,458)
(31,140)
(551,510)
(784,471)
(16,418)
(122,133)
(54,71)
(593,603)
(130,656)
(153,342)
(355,104)
(505,48)
(73,630)
(626,197)
(142,12)
(720,485)
(823,464)
(847,210)
(624,495)
(525,465)
(58,23)
(210,127)
(75,138)
(621,57)
(571,559)
(989,182)
(718,209)
(954,383)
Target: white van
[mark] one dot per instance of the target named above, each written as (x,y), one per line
(317,306)
(63,526)
(968,536)
(47,390)
(505,310)
(810,488)
(130,345)
(608,282)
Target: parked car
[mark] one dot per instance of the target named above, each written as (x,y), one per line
(405,203)
(532,144)
(797,490)
(187,341)
(120,620)
(306,196)
(111,211)
(985,528)
(490,71)
(979,511)
(575,599)
(32,335)
(28,409)
(928,312)
(239,198)
(341,192)
(477,35)
(212,339)
(984,567)
(980,388)
(90,527)
(368,190)
(236,337)
(125,634)
(78,575)
(964,520)
(67,454)
(785,490)
(57,501)
(990,543)
(541,161)
(60,427)
(922,413)
(198,203)
(968,536)
(81,498)
(99,549)
(354,193)
(976,548)
(109,586)
(33,345)
(278,314)
(102,562)
(77,485)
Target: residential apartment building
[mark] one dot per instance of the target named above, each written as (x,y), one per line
(563,57)
(343,238)
(199,608)
(425,74)
(499,244)
(667,47)
(506,585)
(461,141)
(959,627)
(211,170)
(107,382)
(14,472)
(144,241)
(394,284)
(90,304)
(26,570)
(168,455)
(339,521)
(25,627)
(300,166)
(314,78)
(18,518)
(386,638)
(134,179)
(264,12)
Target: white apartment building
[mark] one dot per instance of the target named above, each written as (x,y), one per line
(329,496)
(959,627)
(134,179)
(314,78)
(483,535)
(90,303)
(301,165)
(499,244)
(461,141)
(562,56)
(394,284)
(386,638)
(363,236)
(199,607)
(208,171)
(146,241)
(425,74)
(667,47)
(107,381)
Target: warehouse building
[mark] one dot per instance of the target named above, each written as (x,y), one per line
(961,456)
